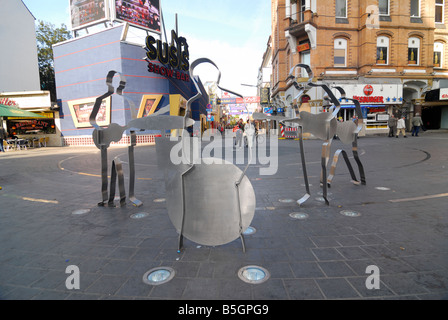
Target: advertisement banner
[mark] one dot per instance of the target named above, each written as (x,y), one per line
(81,109)
(443,94)
(84,13)
(143,14)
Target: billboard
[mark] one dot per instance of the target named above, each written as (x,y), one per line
(140,13)
(82,108)
(84,13)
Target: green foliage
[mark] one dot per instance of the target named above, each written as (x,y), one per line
(47,35)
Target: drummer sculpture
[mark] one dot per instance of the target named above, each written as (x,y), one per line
(201,209)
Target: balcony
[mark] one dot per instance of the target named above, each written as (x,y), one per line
(297,23)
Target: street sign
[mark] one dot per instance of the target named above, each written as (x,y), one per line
(269,110)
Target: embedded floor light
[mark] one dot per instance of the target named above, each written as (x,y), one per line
(158,276)
(81,211)
(298,215)
(253,274)
(349,213)
(139,215)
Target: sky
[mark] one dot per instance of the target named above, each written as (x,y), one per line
(232,33)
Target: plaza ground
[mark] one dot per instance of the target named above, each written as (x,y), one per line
(402,228)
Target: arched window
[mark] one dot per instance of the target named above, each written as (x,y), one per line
(340,52)
(414,51)
(438,54)
(382,50)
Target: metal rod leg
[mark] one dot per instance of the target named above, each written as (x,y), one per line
(305,174)
(103,177)
(358,161)
(325,148)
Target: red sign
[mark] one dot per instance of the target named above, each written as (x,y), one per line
(303,47)
(378,99)
(8,102)
(254,99)
(368,90)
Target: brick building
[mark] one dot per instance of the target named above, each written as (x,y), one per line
(391,55)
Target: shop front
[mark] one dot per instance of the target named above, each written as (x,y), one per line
(435,109)
(378,102)
(41,130)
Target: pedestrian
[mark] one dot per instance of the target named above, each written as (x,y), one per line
(401,127)
(392,123)
(3,136)
(416,124)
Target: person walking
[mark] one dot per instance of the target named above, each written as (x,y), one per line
(3,136)
(401,127)
(416,123)
(392,123)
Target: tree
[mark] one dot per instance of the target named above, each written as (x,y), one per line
(47,35)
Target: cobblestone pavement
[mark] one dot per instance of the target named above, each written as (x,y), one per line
(401,228)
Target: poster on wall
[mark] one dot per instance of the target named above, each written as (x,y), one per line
(148,105)
(81,110)
(84,13)
(140,13)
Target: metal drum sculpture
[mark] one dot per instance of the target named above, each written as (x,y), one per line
(210,202)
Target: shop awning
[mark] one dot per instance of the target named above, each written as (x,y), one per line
(10,111)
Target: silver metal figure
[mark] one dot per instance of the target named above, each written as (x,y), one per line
(210,204)
(323,126)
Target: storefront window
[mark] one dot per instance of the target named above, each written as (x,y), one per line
(33,126)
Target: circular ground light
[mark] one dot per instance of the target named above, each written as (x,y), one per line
(81,211)
(139,215)
(159,200)
(382,188)
(298,215)
(249,231)
(350,213)
(286,200)
(158,276)
(253,274)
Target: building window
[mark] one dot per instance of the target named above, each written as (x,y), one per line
(439,11)
(438,54)
(383,6)
(382,50)
(305,58)
(340,52)
(302,10)
(413,51)
(415,8)
(341,8)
